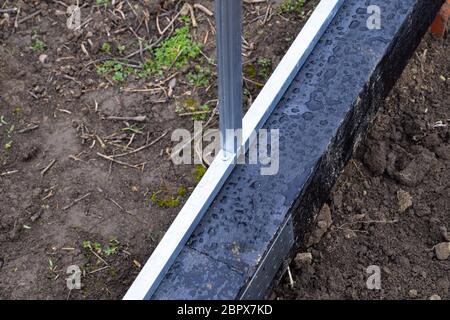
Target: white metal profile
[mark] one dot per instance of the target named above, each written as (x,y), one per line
(195,207)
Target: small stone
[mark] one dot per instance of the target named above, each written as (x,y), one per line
(302,259)
(375,158)
(416,170)
(442,284)
(404,200)
(43,58)
(404,262)
(323,224)
(445,233)
(337,199)
(413,293)
(443,152)
(435,297)
(442,250)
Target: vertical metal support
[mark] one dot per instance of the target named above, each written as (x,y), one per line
(229,60)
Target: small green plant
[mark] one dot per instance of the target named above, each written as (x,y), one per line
(148,68)
(198,111)
(250,71)
(93,246)
(202,114)
(200,77)
(17,111)
(106,47)
(176,50)
(107,67)
(181,191)
(262,69)
(118,76)
(133,129)
(113,247)
(38,45)
(293,6)
(165,199)
(114,68)
(121,49)
(199,172)
(102,2)
(265,67)
(185,19)
(10,130)
(51,265)
(7,146)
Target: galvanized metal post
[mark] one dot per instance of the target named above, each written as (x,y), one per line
(229,60)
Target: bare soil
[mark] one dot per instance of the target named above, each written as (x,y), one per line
(61,202)
(391,205)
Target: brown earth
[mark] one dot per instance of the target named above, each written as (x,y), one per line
(391,206)
(60,201)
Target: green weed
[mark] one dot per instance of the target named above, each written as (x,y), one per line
(265,67)
(106,48)
(293,6)
(199,78)
(133,129)
(121,49)
(176,50)
(112,248)
(8,146)
(38,45)
(199,172)
(203,113)
(164,199)
(115,69)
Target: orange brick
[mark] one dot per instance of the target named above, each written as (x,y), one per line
(441,23)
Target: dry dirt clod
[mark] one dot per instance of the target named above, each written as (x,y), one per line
(413,293)
(442,250)
(435,297)
(416,170)
(404,200)
(445,234)
(443,152)
(302,259)
(375,158)
(323,224)
(43,58)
